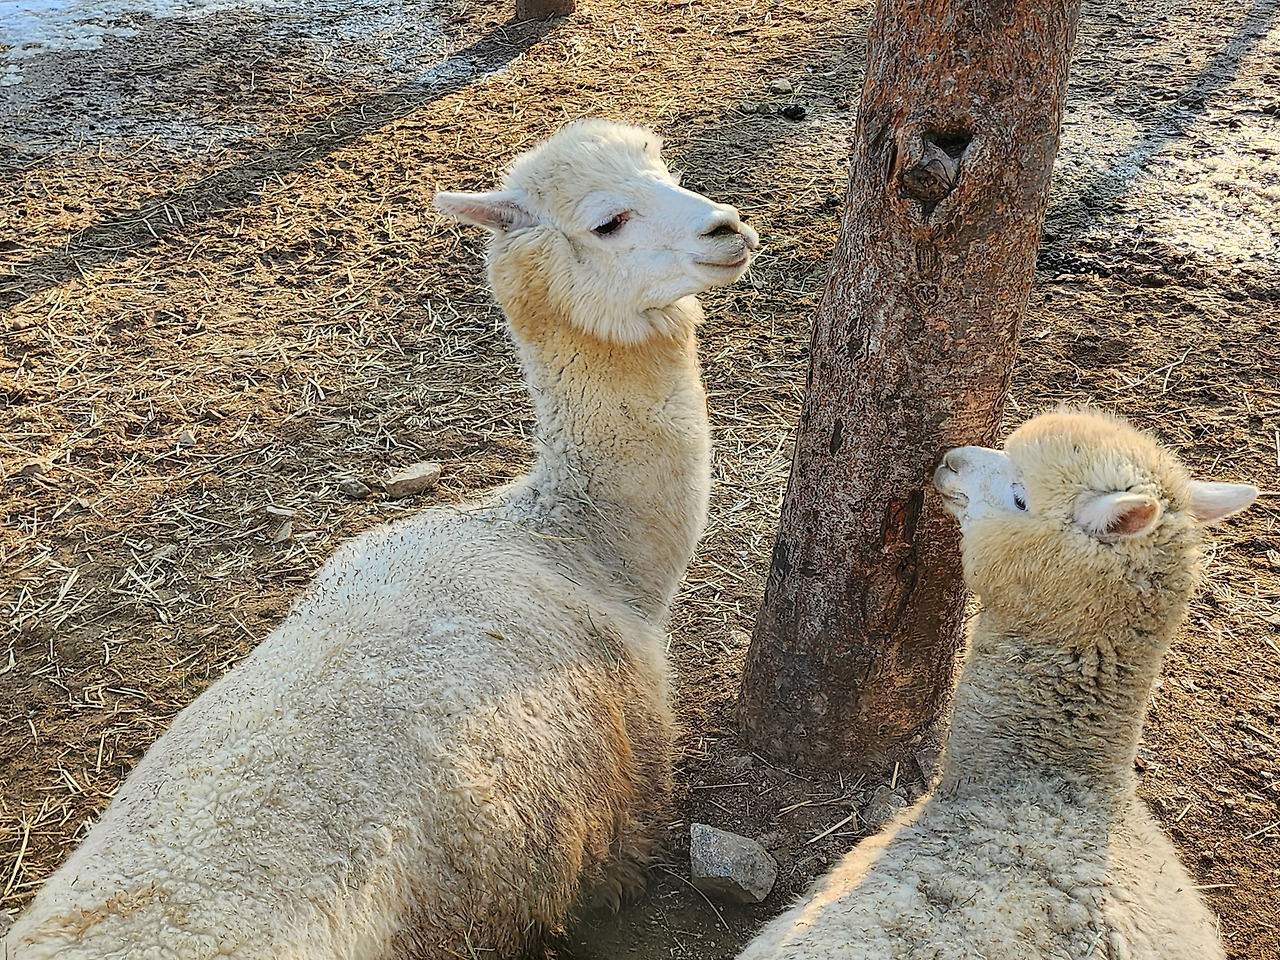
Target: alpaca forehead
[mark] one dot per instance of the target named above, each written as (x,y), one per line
(601,190)
(1092,451)
(641,194)
(586,159)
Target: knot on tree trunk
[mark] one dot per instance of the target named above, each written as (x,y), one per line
(936,173)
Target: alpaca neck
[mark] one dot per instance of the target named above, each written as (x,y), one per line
(1033,707)
(623,445)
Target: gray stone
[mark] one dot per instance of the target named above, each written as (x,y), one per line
(728,866)
(353,488)
(881,807)
(415,478)
(781,86)
(929,760)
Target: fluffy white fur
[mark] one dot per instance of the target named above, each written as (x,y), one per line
(461,728)
(1082,542)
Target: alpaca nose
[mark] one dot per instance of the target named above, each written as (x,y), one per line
(724,222)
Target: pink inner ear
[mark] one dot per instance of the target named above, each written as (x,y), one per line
(496,210)
(1132,517)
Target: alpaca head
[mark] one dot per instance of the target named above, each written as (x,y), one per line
(1081,517)
(591,227)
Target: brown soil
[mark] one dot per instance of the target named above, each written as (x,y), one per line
(225,293)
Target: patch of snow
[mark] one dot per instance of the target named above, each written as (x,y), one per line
(364,37)
(31,27)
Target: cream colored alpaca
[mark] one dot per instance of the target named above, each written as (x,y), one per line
(461,728)
(1082,541)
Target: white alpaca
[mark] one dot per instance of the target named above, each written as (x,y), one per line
(461,727)
(1082,542)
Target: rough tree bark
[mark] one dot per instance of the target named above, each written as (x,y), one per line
(854,647)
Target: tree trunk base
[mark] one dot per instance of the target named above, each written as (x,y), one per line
(543,9)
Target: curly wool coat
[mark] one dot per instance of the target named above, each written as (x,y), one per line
(461,728)
(1034,845)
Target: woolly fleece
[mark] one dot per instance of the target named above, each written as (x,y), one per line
(1034,844)
(461,728)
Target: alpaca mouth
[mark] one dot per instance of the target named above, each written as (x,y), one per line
(737,264)
(952,497)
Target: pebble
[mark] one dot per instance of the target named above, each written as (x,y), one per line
(881,807)
(185,439)
(730,866)
(781,86)
(793,111)
(353,488)
(36,468)
(929,760)
(415,478)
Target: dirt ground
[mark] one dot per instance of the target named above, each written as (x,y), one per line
(223,293)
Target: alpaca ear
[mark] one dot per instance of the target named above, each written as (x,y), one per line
(1118,515)
(497,211)
(1214,501)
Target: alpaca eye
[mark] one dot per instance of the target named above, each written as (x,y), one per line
(610,225)
(1019,498)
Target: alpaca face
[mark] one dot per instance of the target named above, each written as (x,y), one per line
(1077,501)
(976,481)
(591,226)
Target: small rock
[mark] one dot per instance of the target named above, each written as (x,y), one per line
(881,807)
(36,468)
(793,111)
(726,865)
(415,478)
(747,106)
(185,439)
(781,86)
(353,488)
(929,760)
(766,109)
(283,532)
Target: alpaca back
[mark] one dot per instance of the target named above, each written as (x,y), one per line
(483,715)
(461,727)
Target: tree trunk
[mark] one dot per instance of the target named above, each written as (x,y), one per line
(542,9)
(854,647)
